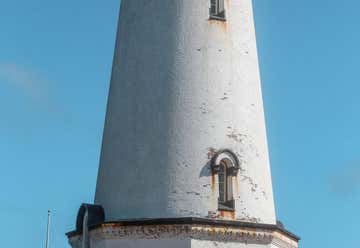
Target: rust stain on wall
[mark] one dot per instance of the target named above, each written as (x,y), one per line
(230,215)
(236,185)
(213,183)
(223,25)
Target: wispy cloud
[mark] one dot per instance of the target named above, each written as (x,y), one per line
(346,180)
(32,83)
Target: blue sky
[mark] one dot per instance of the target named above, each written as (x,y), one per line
(55,63)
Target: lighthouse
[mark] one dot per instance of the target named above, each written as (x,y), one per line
(184,159)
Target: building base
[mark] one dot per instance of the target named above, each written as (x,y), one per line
(185,233)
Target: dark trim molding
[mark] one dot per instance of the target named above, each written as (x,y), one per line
(191,221)
(216,167)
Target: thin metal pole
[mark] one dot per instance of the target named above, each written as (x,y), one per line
(48,230)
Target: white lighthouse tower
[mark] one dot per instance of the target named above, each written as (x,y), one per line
(184,160)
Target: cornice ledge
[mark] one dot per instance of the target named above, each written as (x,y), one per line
(110,231)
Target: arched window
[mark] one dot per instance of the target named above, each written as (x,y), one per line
(225,183)
(226,165)
(217,9)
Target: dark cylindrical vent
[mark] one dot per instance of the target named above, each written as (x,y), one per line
(96,216)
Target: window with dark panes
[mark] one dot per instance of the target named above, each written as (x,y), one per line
(222,183)
(217,9)
(226,200)
(225,165)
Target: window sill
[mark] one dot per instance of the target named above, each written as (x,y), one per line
(224,208)
(227,206)
(218,18)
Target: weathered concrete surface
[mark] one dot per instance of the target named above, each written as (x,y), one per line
(183,87)
(183,236)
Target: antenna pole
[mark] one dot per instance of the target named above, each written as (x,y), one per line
(48,230)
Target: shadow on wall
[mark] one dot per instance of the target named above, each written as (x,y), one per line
(206,170)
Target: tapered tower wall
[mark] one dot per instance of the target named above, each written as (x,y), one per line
(182,88)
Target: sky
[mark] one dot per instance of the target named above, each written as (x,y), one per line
(55,64)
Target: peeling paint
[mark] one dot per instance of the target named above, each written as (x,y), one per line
(238,137)
(250,180)
(192,192)
(203,108)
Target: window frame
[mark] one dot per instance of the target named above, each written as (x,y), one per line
(228,160)
(217,10)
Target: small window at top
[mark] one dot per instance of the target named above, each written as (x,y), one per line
(217,10)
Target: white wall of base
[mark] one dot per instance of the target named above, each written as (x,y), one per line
(216,244)
(143,243)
